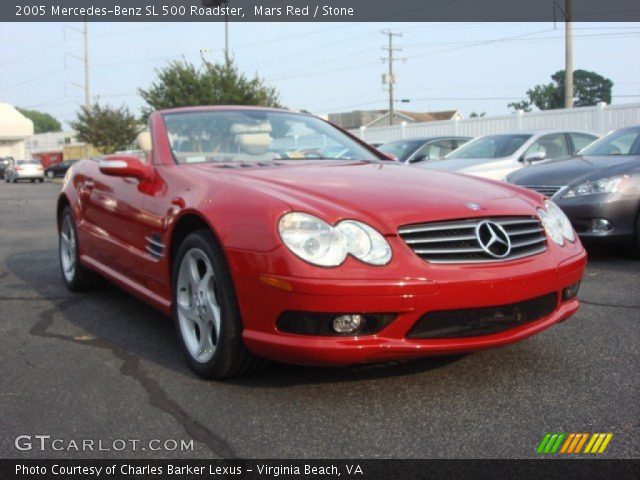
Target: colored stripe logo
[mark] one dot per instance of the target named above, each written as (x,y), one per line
(573,443)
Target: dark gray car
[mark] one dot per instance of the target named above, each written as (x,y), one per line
(414,150)
(598,189)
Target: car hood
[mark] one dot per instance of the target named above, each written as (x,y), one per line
(385,194)
(573,170)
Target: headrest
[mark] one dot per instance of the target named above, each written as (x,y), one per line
(144,141)
(252,138)
(238,128)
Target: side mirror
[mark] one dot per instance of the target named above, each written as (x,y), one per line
(144,141)
(123,166)
(419,158)
(534,157)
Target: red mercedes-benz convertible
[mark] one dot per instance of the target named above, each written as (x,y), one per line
(271,234)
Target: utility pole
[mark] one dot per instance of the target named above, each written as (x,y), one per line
(568,55)
(226,38)
(225,4)
(87,94)
(389,78)
(85,60)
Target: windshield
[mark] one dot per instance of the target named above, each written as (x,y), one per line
(402,149)
(491,146)
(28,162)
(621,142)
(257,135)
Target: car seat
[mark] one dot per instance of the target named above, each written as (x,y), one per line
(253,139)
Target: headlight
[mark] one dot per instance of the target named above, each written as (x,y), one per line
(317,242)
(604,185)
(556,223)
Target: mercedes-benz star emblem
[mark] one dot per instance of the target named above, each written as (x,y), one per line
(493,239)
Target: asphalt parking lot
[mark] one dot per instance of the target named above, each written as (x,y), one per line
(105,366)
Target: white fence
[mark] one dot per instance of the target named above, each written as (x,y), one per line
(599,119)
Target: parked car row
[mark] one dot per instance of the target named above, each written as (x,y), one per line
(598,188)
(12,170)
(595,181)
(489,156)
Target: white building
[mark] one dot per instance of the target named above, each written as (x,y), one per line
(50,142)
(15,128)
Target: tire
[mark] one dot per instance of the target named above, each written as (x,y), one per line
(205,302)
(41,180)
(33,180)
(76,277)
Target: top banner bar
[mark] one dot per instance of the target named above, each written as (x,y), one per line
(319,10)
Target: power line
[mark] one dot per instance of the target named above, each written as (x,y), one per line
(352,67)
(56,44)
(332,60)
(28,55)
(325,46)
(554,37)
(31,80)
(297,35)
(480,43)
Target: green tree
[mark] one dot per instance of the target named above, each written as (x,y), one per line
(182,84)
(107,128)
(589,88)
(521,105)
(42,122)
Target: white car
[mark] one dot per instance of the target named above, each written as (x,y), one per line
(24,170)
(496,156)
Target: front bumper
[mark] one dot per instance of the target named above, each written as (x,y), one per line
(620,210)
(410,297)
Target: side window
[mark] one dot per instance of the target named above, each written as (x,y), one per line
(458,143)
(434,151)
(553,146)
(580,140)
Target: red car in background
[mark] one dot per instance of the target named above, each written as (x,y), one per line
(271,234)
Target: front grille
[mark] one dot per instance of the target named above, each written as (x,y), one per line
(548,190)
(457,242)
(473,322)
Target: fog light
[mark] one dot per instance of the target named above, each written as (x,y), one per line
(347,323)
(601,225)
(333,324)
(570,292)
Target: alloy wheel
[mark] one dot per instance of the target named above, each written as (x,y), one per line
(68,249)
(197,305)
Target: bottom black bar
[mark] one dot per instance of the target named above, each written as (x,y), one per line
(319,469)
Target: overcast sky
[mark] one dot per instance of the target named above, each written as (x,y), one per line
(319,67)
